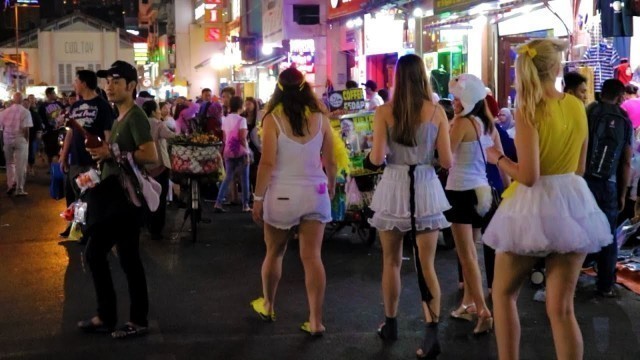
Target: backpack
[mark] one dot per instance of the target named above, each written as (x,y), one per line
(605,143)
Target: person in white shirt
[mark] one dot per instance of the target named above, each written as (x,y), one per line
(15,122)
(370,89)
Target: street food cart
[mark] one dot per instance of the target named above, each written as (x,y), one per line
(195,160)
(354,191)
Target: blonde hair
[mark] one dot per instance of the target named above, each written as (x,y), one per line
(536,64)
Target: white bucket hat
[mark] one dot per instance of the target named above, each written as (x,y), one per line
(469,90)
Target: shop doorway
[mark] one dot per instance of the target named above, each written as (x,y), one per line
(506,67)
(380,69)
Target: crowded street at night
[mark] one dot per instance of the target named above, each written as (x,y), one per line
(320,179)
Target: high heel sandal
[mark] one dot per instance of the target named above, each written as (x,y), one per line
(430,345)
(388,330)
(464,312)
(484,325)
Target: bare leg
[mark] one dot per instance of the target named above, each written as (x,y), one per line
(391,262)
(427,244)
(562,276)
(311,235)
(276,241)
(466,249)
(510,272)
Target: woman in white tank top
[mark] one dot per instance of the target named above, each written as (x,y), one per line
(297,144)
(471,134)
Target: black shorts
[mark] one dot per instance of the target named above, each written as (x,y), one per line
(463,208)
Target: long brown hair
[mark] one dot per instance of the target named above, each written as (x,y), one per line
(297,100)
(411,90)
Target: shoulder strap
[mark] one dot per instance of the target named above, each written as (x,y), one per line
(277,121)
(478,138)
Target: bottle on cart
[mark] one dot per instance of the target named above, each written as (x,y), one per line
(509,102)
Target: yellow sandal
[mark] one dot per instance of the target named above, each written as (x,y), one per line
(258,307)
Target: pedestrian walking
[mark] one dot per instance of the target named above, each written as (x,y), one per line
(160,170)
(548,212)
(95,116)
(608,171)
(112,219)
(469,192)
(236,154)
(297,145)
(15,123)
(409,198)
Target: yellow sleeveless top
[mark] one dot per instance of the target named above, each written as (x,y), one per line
(562,129)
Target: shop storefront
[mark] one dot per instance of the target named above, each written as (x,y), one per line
(384,42)
(480,37)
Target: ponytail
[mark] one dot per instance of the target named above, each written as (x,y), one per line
(536,64)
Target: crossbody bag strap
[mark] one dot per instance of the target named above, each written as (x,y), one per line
(479,143)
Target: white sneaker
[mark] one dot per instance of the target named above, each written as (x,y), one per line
(21,193)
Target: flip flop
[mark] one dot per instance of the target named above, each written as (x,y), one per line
(129,331)
(306,327)
(258,307)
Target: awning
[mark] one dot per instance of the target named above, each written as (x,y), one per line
(266,62)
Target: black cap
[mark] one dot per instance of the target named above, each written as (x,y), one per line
(120,70)
(371,85)
(145,94)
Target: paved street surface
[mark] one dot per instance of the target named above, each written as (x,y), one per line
(200,294)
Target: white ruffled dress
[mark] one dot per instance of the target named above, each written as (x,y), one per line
(392,195)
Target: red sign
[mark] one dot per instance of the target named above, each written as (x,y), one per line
(213,16)
(338,8)
(213,34)
(214,2)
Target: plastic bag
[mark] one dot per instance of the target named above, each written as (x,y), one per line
(353,198)
(625,231)
(56,187)
(76,232)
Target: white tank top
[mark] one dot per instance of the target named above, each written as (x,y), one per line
(299,163)
(469,170)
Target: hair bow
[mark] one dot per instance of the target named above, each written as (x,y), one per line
(525,49)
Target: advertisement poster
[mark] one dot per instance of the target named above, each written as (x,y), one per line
(350,100)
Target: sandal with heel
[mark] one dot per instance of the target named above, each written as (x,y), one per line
(388,330)
(484,325)
(430,345)
(465,312)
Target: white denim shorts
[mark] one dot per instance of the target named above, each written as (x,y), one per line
(285,205)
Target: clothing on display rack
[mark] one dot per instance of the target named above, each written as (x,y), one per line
(606,58)
(616,17)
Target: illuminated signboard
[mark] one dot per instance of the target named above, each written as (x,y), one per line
(349,99)
(140,53)
(302,55)
(442,6)
(338,8)
(213,16)
(213,34)
(27,2)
